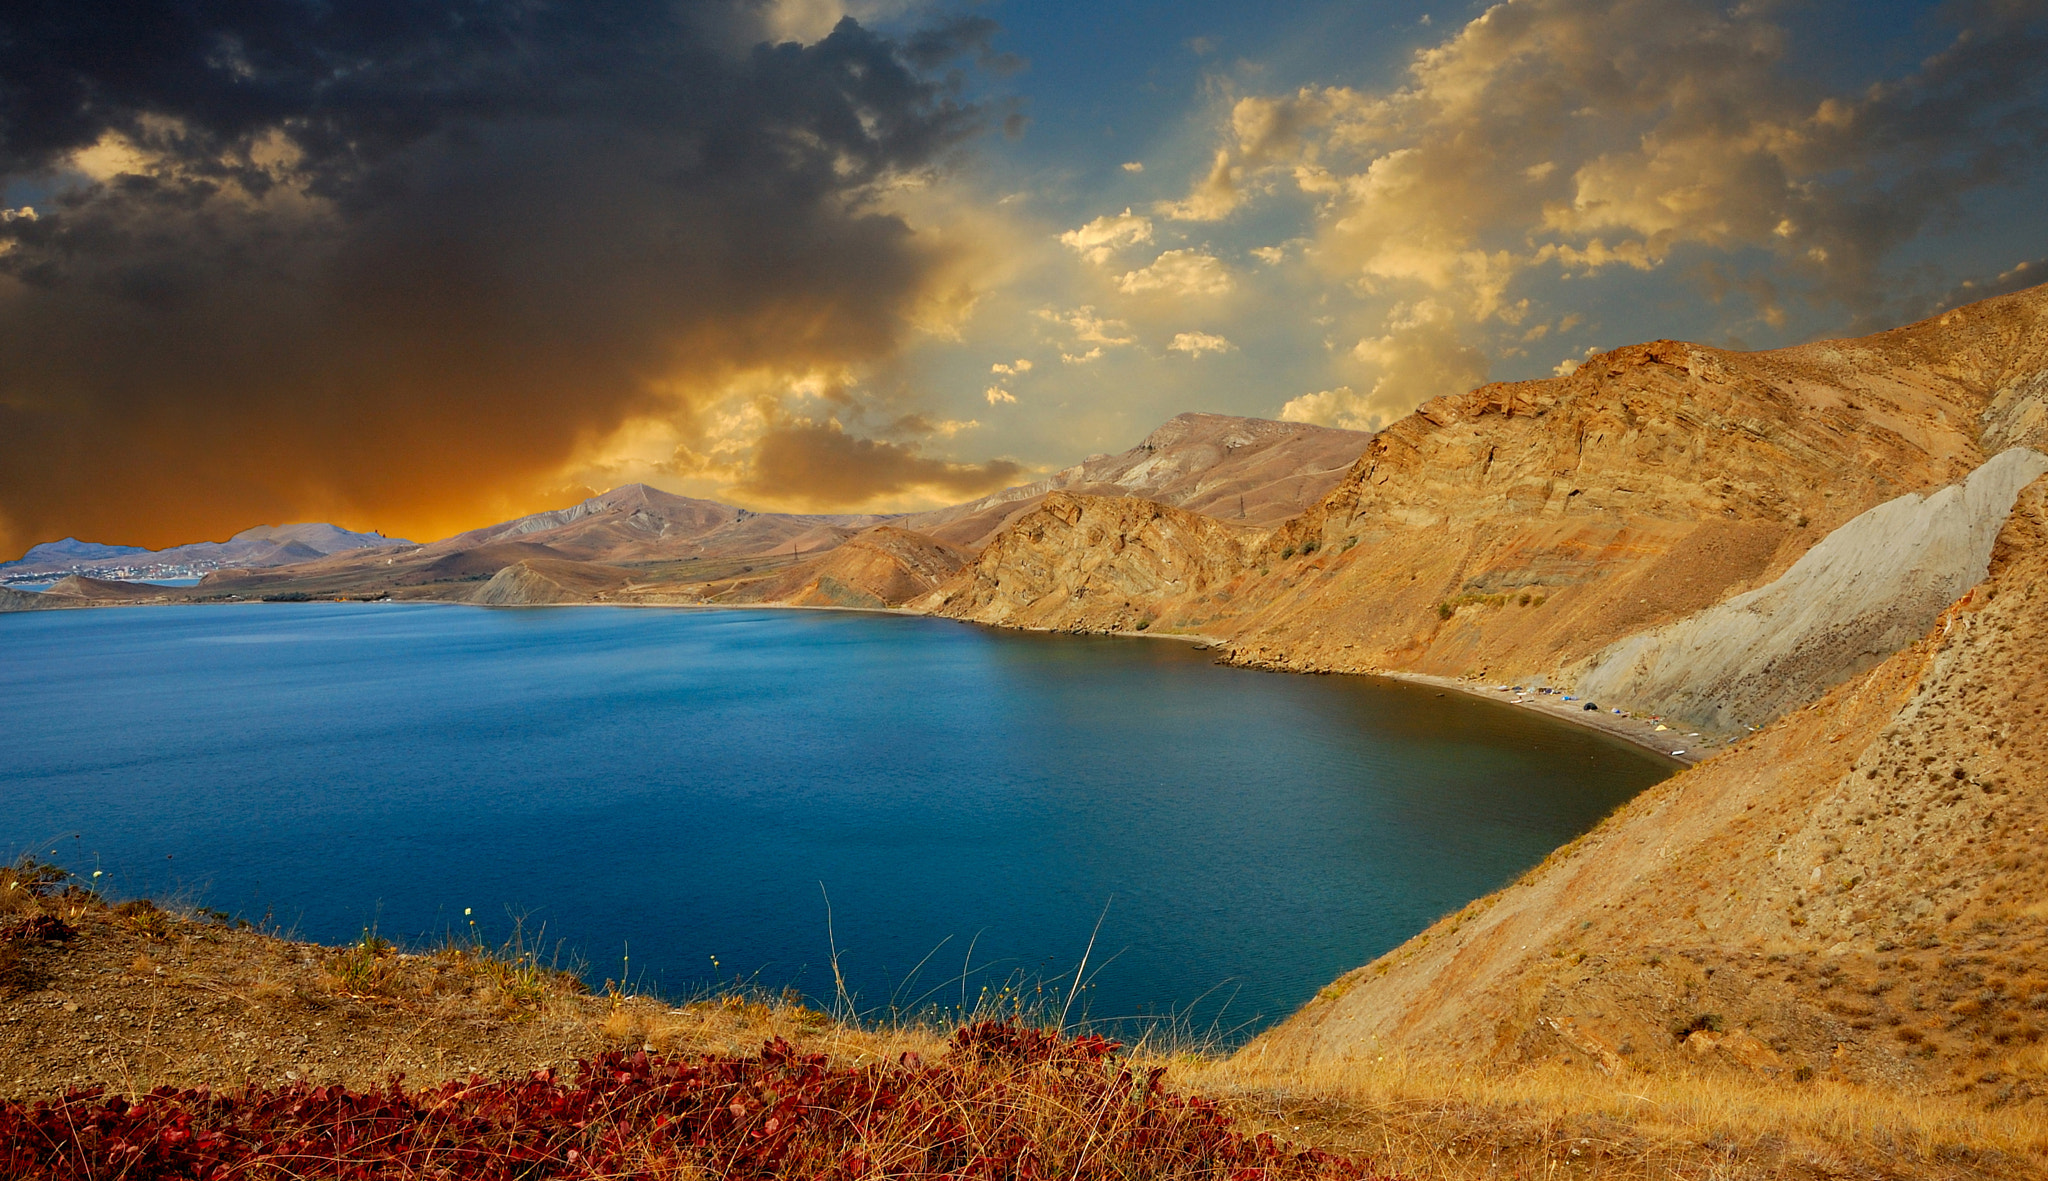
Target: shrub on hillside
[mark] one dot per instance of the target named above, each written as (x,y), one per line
(1006,1102)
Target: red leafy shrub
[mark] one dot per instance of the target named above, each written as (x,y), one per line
(1005,1103)
(41,928)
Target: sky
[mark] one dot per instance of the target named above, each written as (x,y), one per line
(419,265)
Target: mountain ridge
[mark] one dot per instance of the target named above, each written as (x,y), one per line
(650,546)
(262,545)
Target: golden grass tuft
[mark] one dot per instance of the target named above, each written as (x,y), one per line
(1433,1119)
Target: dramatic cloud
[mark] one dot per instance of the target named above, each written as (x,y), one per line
(819,465)
(1420,356)
(398,264)
(1341,407)
(1553,138)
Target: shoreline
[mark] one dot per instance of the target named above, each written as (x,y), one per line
(1679,745)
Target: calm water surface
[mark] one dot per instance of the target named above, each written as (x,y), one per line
(679,783)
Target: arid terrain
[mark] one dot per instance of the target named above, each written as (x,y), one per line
(636,544)
(133,998)
(1822,950)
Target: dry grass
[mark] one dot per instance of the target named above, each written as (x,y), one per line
(234,1005)
(740,1023)
(1427,1119)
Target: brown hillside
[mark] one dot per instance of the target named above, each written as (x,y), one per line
(79,588)
(1093,562)
(1857,892)
(879,567)
(1249,471)
(537,582)
(1521,529)
(14,600)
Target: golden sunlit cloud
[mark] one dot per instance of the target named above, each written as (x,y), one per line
(237,314)
(1554,138)
(817,465)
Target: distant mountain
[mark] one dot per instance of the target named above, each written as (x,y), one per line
(71,550)
(640,544)
(1249,471)
(265,545)
(636,523)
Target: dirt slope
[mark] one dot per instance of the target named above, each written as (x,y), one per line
(1866,591)
(1856,891)
(14,600)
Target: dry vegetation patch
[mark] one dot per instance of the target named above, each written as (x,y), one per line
(1422,1118)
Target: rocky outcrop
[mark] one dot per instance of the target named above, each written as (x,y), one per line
(14,600)
(2018,415)
(538,582)
(1856,889)
(1867,590)
(1094,563)
(880,567)
(83,590)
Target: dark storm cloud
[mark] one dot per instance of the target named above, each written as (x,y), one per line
(819,465)
(397,260)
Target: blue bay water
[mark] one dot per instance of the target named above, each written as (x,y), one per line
(681,782)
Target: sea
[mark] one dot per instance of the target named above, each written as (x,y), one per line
(676,801)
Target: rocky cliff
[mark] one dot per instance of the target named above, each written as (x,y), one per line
(1524,530)
(1856,891)
(879,567)
(1867,590)
(1094,562)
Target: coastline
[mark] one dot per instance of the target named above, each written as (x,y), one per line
(1680,745)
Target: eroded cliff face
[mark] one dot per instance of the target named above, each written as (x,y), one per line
(1856,891)
(1521,530)
(1867,590)
(1094,562)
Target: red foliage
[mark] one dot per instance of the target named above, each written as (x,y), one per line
(42,928)
(1006,1103)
